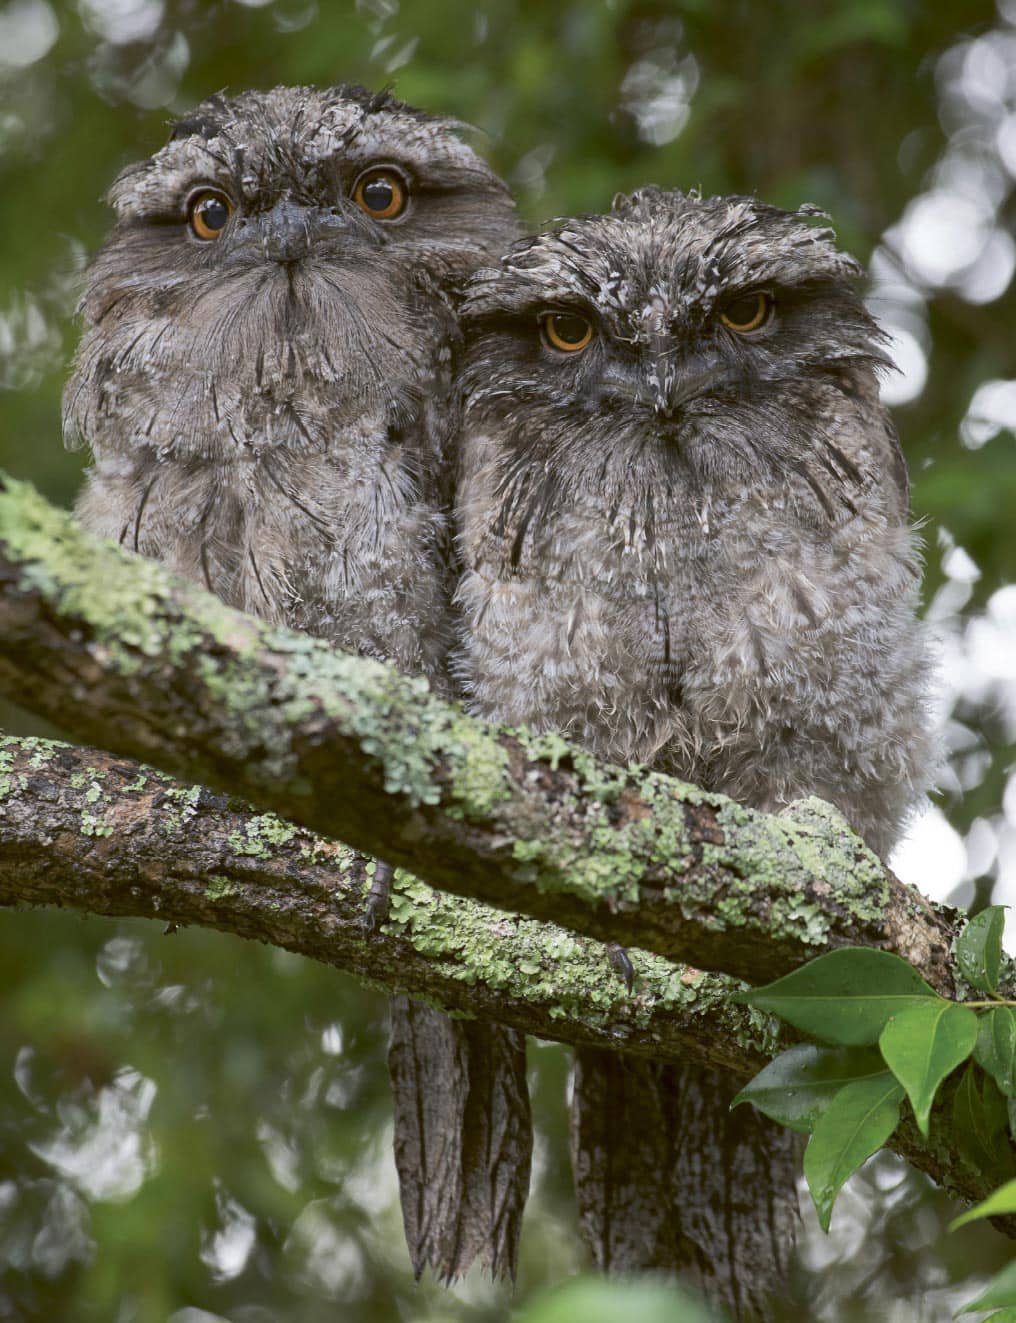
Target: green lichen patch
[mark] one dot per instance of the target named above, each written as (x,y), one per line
(6,768)
(791,862)
(616,826)
(480,778)
(262,836)
(179,805)
(78,574)
(14,748)
(220,887)
(92,825)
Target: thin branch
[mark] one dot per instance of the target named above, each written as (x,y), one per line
(82,829)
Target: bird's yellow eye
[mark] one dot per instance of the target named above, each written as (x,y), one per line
(748,312)
(566,331)
(381,193)
(207,212)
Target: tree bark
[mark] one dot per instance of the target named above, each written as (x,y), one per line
(82,829)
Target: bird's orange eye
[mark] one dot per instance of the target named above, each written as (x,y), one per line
(566,331)
(381,193)
(208,212)
(748,312)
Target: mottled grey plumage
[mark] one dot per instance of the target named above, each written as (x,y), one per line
(266,390)
(688,546)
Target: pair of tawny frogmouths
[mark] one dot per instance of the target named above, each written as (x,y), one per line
(628,479)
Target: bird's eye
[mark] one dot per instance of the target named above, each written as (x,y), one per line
(207,212)
(381,193)
(566,331)
(748,312)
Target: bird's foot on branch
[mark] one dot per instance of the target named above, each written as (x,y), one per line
(378,897)
(622,965)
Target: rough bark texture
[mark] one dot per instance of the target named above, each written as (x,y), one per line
(85,830)
(119,653)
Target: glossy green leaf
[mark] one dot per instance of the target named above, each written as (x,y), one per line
(1002,1200)
(797,1087)
(996,1047)
(923,1044)
(979,948)
(980,1125)
(856,1124)
(1002,1316)
(1000,1291)
(845,996)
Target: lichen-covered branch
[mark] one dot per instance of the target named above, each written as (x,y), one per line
(119,653)
(82,829)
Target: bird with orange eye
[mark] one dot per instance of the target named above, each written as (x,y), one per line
(277,428)
(682,521)
(570,332)
(382,192)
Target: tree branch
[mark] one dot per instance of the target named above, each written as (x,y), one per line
(120,653)
(80,828)
(114,649)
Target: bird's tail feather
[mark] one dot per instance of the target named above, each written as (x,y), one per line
(463,1138)
(669,1179)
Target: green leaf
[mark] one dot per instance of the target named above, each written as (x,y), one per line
(1002,1316)
(979,948)
(1011,1108)
(923,1044)
(797,1087)
(1000,1291)
(1002,1200)
(979,1124)
(856,1123)
(846,996)
(996,1047)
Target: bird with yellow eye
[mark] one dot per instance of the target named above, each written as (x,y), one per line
(570,332)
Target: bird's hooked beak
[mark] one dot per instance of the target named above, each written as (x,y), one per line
(289,230)
(665,377)
(674,374)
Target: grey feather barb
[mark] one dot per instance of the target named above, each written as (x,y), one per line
(683,519)
(265,388)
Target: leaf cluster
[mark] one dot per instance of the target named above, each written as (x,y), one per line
(889,1036)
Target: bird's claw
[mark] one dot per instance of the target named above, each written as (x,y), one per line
(622,965)
(378,897)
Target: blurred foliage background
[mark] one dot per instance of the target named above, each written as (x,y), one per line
(192,1128)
